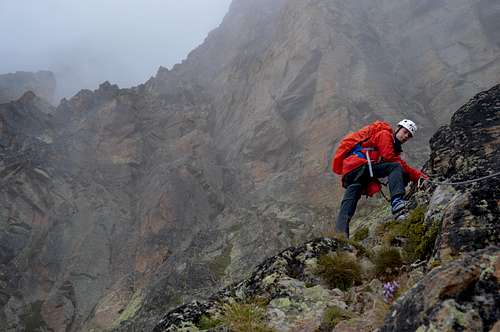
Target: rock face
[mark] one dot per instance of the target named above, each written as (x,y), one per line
(468,149)
(129,202)
(463,294)
(14,85)
(276,280)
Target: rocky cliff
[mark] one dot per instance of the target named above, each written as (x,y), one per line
(128,202)
(14,85)
(446,279)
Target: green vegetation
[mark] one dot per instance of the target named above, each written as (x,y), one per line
(132,307)
(332,316)
(339,270)
(387,262)
(420,237)
(245,317)
(220,263)
(360,234)
(32,317)
(207,322)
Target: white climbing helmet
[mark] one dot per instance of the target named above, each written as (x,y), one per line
(410,125)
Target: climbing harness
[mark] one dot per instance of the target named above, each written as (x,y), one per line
(357,151)
(383,195)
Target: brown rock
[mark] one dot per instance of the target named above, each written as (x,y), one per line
(461,293)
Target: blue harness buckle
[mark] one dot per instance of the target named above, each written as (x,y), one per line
(358,152)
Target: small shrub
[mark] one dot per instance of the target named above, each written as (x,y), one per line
(361,234)
(245,317)
(420,237)
(332,316)
(207,322)
(387,262)
(339,270)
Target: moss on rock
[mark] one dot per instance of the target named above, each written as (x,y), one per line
(132,308)
(419,236)
(207,322)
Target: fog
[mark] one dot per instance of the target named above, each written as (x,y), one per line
(87,42)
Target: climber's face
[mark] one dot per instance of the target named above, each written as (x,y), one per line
(403,135)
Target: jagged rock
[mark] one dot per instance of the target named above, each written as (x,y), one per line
(468,149)
(14,85)
(460,296)
(279,279)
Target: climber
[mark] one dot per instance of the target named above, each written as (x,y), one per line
(367,155)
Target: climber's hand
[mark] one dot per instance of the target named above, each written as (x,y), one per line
(422,182)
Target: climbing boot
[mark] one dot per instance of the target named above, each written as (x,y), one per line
(398,204)
(401,215)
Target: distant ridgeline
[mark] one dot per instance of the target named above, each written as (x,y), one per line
(14,85)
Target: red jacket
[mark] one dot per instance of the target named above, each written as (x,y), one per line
(383,143)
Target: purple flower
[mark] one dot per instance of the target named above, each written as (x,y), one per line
(390,289)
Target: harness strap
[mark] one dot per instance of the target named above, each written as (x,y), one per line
(358,148)
(357,151)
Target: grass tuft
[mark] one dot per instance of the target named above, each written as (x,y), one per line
(245,317)
(388,262)
(361,234)
(207,322)
(339,270)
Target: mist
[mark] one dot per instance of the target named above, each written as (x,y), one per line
(87,42)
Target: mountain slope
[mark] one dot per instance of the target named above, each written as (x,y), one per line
(137,200)
(455,289)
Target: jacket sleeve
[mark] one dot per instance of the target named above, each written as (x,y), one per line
(385,145)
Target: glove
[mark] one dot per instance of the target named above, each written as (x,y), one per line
(422,182)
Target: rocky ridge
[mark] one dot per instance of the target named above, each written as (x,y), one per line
(456,287)
(14,85)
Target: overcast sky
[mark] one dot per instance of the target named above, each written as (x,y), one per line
(86,42)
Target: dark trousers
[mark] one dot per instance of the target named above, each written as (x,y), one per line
(354,182)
